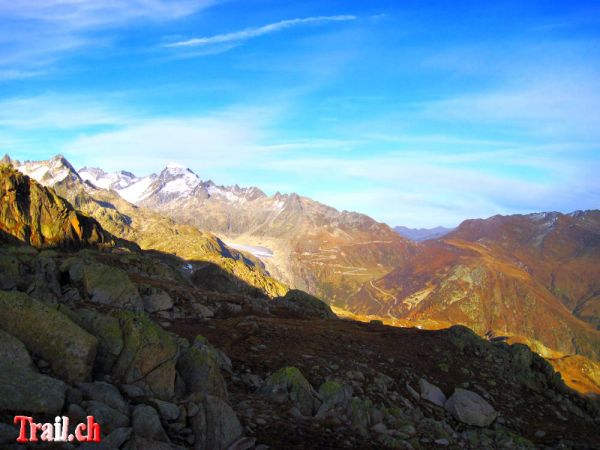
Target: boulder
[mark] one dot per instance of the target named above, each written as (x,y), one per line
(432,393)
(69,349)
(333,394)
(105,393)
(148,356)
(168,411)
(107,330)
(156,299)
(304,304)
(146,423)
(199,368)
(13,352)
(21,387)
(117,438)
(111,286)
(9,272)
(470,408)
(109,418)
(288,383)
(215,425)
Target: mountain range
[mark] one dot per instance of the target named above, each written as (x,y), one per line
(422,234)
(528,278)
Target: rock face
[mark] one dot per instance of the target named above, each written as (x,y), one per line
(35,215)
(470,408)
(200,370)
(148,356)
(215,425)
(288,383)
(69,349)
(305,305)
(21,387)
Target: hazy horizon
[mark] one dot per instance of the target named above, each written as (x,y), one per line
(417,115)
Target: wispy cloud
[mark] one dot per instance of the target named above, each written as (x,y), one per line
(78,14)
(51,111)
(250,33)
(36,34)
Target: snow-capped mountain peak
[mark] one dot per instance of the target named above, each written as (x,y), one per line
(115,180)
(48,172)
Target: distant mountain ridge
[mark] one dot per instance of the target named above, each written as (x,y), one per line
(147,228)
(314,247)
(534,277)
(422,234)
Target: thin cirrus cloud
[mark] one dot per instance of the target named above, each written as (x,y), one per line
(250,33)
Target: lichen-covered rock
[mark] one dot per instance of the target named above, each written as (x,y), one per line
(107,330)
(9,271)
(148,356)
(288,383)
(21,387)
(146,423)
(105,393)
(69,349)
(111,286)
(215,425)
(24,390)
(109,418)
(334,395)
(470,408)
(199,368)
(156,299)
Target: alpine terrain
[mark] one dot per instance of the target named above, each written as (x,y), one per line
(166,355)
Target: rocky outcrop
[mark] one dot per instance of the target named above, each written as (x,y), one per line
(21,387)
(199,368)
(47,332)
(288,383)
(148,356)
(215,425)
(37,216)
(470,408)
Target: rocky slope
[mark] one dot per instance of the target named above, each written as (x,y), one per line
(533,278)
(315,247)
(149,229)
(36,215)
(163,360)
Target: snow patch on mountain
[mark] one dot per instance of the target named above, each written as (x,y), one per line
(137,191)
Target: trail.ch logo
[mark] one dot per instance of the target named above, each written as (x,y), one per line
(57,431)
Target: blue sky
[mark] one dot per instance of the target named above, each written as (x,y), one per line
(418,113)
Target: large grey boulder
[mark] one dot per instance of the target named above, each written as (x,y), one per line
(432,393)
(156,299)
(105,393)
(470,408)
(199,367)
(148,356)
(104,284)
(146,423)
(21,387)
(334,395)
(215,425)
(288,383)
(69,349)
(107,330)
(109,418)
